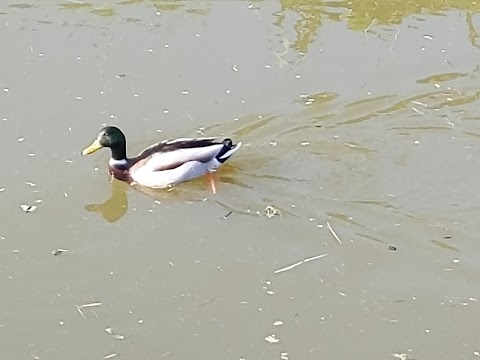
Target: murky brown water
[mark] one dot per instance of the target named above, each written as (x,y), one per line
(360,125)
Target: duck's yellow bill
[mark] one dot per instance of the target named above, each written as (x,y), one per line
(92,148)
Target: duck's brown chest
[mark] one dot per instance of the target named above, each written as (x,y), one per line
(120,174)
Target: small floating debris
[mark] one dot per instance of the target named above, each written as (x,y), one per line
(57,252)
(116,336)
(227,214)
(28,208)
(270,211)
(21,139)
(402,356)
(234,67)
(272,339)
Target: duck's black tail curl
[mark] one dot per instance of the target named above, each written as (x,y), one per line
(227,151)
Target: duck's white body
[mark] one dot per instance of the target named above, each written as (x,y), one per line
(166,163)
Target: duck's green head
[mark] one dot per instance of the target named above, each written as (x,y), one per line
(109,137)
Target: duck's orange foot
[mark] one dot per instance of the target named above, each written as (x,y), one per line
(212,182)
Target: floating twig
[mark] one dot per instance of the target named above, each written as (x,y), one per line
(370,26)
(80,311)
(90,305)
(394,41)
(93,304)
(314,258)
(289,267)
(304,261)
(207,302)
(334,233)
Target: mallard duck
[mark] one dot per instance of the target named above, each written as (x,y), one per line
(166,163)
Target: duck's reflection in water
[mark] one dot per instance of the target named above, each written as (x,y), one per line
(116,206)
(197,190)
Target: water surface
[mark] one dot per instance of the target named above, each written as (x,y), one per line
(359,124)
